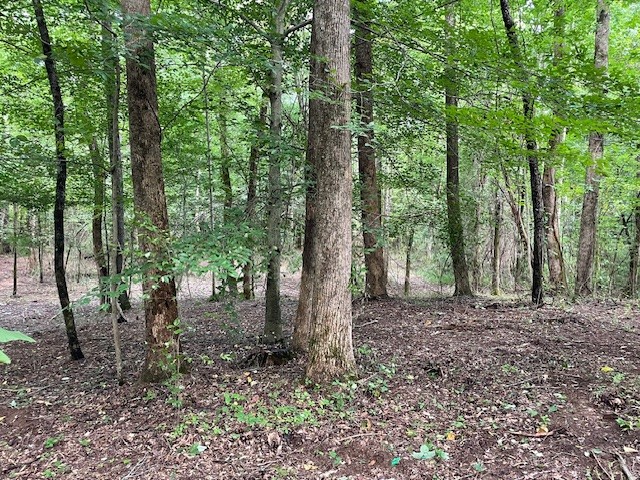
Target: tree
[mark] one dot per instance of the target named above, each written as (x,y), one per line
(161,307)
(331,345)
(456,233)
(589,216)
(537,261)
(370,196)
(61,183)
(99,174)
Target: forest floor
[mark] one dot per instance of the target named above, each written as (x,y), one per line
(447,389)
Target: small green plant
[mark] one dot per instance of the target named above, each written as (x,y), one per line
(335,458)
(429,452)
(85,442)
(479,466)
(509,369)
(52,442)
(196,449)
(630,424)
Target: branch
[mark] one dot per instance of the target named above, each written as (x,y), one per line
(259,30)
(100,22)
(297,27)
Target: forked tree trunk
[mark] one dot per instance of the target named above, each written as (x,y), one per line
(537,261)
(589,216)
(331,344)
(99,174)
(112,91)
(376,275)
(454,217)
(61,184)
(161,307)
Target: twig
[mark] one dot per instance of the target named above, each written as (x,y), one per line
(133,469)
(624,467)
(606,472)
(533,435)
(358,435)
(365,324)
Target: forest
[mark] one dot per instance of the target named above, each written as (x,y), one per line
(320,239)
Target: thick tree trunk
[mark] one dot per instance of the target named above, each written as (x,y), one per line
(454,217)
(537,262)
(495,259)
(589,216)
(61,184)
(273,314)
(331,345)
(99,174)
(376,276)
(112,90)
(161,307)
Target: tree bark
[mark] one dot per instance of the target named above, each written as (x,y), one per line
(273,313)
(112,92)
(15,250)
(161,307)
(407,264)
(225,176)
(99,174)
(555,259)
(589,216)
(634,248)
(331,345)
(454,217)
(61,184)
(376,275)
(495,259)
(537,262)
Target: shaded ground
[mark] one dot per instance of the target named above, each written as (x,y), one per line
(490,390)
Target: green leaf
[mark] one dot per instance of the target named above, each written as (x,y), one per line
(4,358)
(11,335)
(395,462)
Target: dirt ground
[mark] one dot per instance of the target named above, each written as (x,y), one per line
(473,389)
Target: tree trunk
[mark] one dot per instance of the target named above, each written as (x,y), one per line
(99,174)
(407,265)
(273,314)
(112,91)
(634,247)
(477,261)
(495,259)
(537,262)
(555,259)
(39,243)
(15,250)
(250,212)
(376,276)
(589,216)
(61,184)
(161,307)
(456,233)
(331,345)
(225,176)
(207,126)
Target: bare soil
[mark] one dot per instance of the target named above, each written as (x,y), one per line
(490,389)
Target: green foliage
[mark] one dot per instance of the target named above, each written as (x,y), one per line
(429,452)
(11,336)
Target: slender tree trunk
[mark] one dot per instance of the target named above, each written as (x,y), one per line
(376,276)
(15,250)
(555,259)
(225,175)
(116,318)
(273,314)
(250,212)
(589,216)
(537,262)
(407,264)
(476,264)
(99,174)
(495,259)
(634,247)
(454,217)
(112,91)
(61,183)
(207,125)
(161,307)
(331,345)
(39,241)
